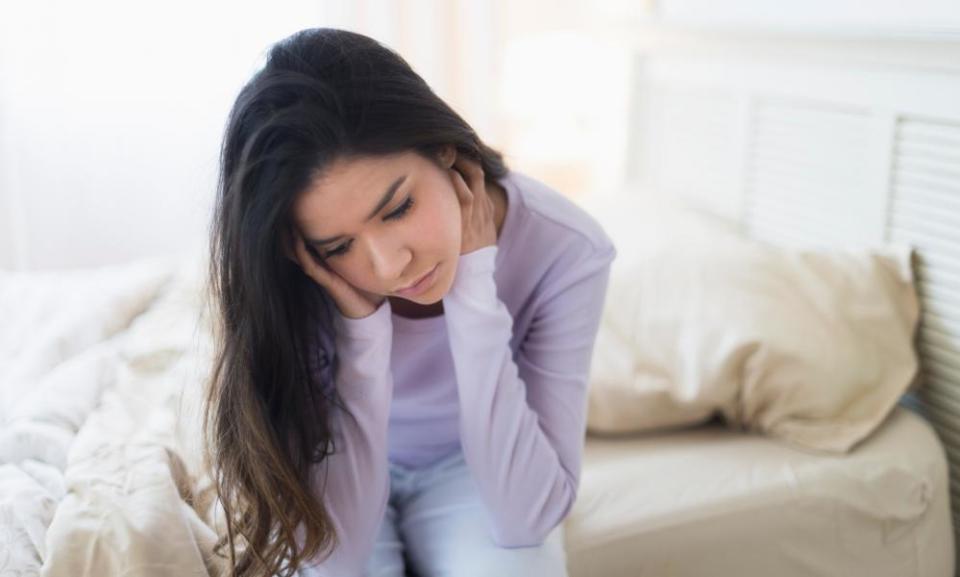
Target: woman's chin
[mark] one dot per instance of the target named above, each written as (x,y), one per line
(431,297)
(427,298)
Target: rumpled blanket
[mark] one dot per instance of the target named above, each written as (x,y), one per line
(101,380)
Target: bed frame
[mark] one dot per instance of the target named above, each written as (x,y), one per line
(811,140)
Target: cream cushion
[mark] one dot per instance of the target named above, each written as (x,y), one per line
(706,501)
(813,347)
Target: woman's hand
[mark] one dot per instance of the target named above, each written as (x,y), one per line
(353,303)
(479,228)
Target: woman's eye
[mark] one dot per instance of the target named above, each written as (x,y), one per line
(402,210)
(339,250)
(393,215)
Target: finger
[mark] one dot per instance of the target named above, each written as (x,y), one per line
(288,245)
(463,190)
(468,164)
(472,170)
(308,263)
(299,251)
(476,183)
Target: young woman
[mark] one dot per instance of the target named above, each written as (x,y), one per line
(405,330)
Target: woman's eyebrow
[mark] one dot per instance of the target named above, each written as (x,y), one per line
(387,197)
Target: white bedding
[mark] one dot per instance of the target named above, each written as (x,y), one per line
(100,376)
(99,469)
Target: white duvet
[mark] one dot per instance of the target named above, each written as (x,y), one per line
(100,384)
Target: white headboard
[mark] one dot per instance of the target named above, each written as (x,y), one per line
(842,140)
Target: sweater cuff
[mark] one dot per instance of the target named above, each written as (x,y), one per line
(376,323)
(474,280)
(481,260)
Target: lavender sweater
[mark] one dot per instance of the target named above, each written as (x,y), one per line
(501,374)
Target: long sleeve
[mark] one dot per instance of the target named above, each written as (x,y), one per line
(354,481)
(523,423)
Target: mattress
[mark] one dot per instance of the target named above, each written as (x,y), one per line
(711,501)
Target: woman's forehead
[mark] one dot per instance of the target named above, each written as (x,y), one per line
(352,189)
(361,175)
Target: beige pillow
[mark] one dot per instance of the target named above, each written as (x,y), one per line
(814,347)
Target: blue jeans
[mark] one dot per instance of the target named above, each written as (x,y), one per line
(436,525)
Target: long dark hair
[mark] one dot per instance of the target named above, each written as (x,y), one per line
(322,94)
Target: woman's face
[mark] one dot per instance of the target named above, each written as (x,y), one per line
(378,246)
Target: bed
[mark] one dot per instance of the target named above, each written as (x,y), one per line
(99,474)
(836,138)
(710,501)
(98,468)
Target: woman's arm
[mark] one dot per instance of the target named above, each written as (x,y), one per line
(354,482)
(523,424)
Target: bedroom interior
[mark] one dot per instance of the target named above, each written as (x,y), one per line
(785,402)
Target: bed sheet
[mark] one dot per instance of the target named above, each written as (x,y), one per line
(712,501)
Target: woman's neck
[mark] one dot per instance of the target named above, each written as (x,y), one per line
(411,310)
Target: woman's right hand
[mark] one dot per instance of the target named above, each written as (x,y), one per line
(353,302)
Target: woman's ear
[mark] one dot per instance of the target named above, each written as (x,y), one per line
(448,155)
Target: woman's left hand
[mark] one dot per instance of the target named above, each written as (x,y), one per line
(479,228)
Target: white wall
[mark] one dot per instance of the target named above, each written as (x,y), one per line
(111,115)
(904,17)
(111,112)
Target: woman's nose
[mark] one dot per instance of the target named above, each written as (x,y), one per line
(388,260)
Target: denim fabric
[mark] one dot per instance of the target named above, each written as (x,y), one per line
(436,525)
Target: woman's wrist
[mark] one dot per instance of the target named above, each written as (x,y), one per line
(371,325)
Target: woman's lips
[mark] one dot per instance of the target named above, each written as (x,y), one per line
(421,285)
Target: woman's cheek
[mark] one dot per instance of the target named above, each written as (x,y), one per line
(350,272)
(450,222)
